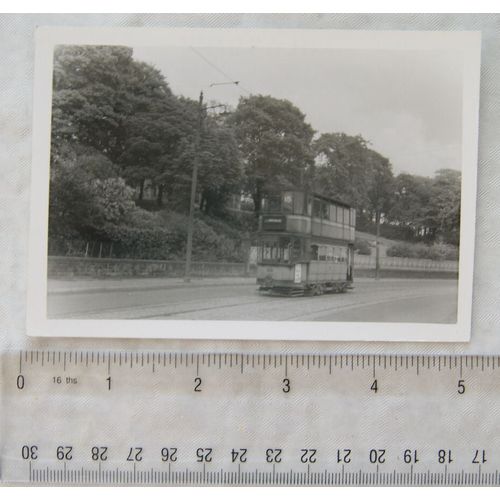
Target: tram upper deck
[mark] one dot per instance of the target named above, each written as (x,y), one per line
(310,214)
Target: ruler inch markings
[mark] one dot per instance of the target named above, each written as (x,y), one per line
(88,362)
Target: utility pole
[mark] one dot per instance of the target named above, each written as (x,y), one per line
(377,246)
(194,180)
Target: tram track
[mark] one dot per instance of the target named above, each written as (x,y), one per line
(361,304)
(95,313)
(301,317)
(243,303)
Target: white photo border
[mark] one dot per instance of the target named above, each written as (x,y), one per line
(469,42)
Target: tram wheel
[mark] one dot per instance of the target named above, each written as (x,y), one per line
(316,289)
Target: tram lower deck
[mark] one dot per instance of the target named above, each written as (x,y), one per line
(309,278)
(319,269)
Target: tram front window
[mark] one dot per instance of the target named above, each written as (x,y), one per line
(279,203)
(271,203)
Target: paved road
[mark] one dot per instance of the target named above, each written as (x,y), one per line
(397,300)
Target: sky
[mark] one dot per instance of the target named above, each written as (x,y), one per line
(406,103)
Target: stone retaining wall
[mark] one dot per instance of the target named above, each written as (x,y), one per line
(105,267)
(95,267)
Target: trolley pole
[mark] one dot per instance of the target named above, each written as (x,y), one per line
(194,180)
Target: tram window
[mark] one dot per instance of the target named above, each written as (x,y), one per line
(346,216)
(317,208)
(336,256)
(340,214)
(326,252)
(329,253)
(353,217)
(333,212)
(343,254)
(339,254)
(298,203)
(322,253)
(284,249)
(287,203)
(274,203)
(325,213)
(296,249)
(277,251)
(309,205)
(266,252)
(314,252)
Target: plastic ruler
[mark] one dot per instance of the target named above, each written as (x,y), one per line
(249,419)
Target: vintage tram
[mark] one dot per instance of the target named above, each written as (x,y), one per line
(305,244)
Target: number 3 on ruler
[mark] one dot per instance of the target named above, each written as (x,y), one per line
(286,385)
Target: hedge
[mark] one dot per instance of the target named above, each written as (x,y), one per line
(436,251)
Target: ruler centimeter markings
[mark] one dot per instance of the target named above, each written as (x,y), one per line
(93,417)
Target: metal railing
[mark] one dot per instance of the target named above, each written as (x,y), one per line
(405,263)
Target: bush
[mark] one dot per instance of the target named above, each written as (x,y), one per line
(389,231)
(436,251)
(213,239)
(362,247)
(162,235)
(401,250)
(241,222)
(71,244)
(141,243)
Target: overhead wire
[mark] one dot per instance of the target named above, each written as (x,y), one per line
(216,68)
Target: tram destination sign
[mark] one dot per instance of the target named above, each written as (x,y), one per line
(274,222)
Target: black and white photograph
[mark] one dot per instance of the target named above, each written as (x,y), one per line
(265,183)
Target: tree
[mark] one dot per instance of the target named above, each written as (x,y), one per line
(221,172)
(444,208)
(275,144)
(348,170)
(220,168)
(91,100)
(430,207)
(122,108)
(380,185)
(380,194)
(342,168)
(154,131)
(412,196)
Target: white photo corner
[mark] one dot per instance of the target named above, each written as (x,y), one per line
(254,184)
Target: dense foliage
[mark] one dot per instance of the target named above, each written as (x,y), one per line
(409,207)
(362,246)
(275,142)
(119,130)
(436,251)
